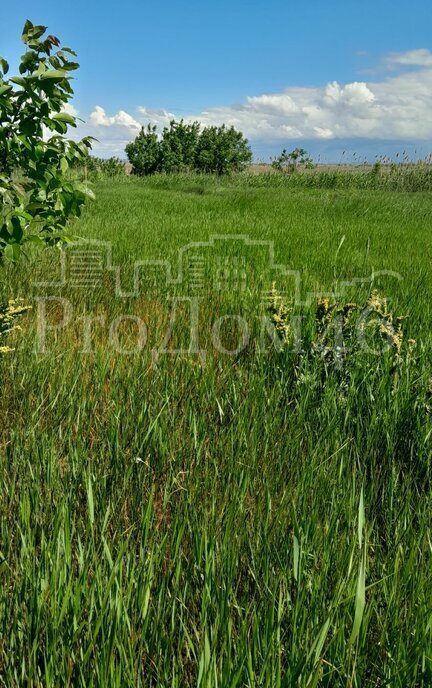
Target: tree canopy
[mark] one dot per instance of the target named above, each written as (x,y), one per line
(186,147)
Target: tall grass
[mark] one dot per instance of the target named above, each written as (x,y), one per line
(382,176)
(409,177)
(260,520)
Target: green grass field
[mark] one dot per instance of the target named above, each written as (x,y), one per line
(257,518)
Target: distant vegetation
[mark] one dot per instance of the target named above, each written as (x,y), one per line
(289,162)
(392,177)
(94,168)
(380,176)
(186,147)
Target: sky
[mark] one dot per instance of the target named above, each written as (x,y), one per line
(346,79)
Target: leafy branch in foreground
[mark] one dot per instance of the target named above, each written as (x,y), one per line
(37,200)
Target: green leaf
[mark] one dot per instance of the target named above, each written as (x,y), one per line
(68,50)
(64,165)
(61,127)
(64,117)
(37,31)
(296,557)
(361,518)
(90,500)
(41,69)
(9,253)
(27,61)
(85,190)
(12,252)
(24,214)
(4,234)
(19,80)
(29,128)
(70,66)
(360,599)
(17,230)
(5,89)
(34,239)
(4,65)
(318,643)
(27,27)
(54,74)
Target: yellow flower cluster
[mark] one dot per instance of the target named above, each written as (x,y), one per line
(324,310)
(392,331)
(378,304)
(279,313)
(8,315)
(393,336)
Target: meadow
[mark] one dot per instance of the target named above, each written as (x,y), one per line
(200,513)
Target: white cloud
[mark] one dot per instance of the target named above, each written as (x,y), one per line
(98,118)
(323,133)
(397,107)
(276,103)
(418,58)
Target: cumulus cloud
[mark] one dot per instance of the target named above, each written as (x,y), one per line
(395,108)
(98,118)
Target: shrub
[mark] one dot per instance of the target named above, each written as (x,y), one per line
(144,153)
(288,162)
(183,147)
(178,146)
(222,150)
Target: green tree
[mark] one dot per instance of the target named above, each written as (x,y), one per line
(37,198)
(289,162)
(222,150)
(178,146)
(184,147)
(144,153)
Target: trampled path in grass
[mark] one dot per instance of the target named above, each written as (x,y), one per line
(253,518)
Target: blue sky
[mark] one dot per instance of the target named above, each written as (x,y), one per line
(208,60)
